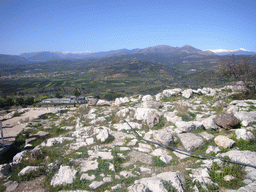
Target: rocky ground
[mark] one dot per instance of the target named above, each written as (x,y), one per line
(92,148)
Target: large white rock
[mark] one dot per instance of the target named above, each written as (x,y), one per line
(164,136)
(102,134)
(121,100)
(208,91)
(159,96)
(19,156)
(184,127)
(244,134)
(191,141)
(250,117)
(102,102)
(141,114)
(187,93)
(11,185)
(155,184)
(28,169)
(123,112)
(171,92)
(147,98)
(209,123)
(65,175)
(171,117)
(152,104)
(223,141)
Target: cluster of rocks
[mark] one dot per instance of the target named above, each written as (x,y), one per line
(106,137)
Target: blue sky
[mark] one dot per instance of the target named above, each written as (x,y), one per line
(103,25)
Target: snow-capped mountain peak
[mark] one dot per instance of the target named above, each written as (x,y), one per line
(240,51)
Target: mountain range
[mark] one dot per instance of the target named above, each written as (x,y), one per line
(160,49)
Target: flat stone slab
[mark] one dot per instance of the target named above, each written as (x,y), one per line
(191,141)
(11,185)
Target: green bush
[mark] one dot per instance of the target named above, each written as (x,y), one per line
(158,162)
(217,175)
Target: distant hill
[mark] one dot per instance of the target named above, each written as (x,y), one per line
(12,59)
(240,51)
(41,56)
(161,49)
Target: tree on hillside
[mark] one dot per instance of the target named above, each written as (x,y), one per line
(77,93)
(238,69)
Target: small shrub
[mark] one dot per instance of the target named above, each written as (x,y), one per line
(162,122)
(158,162)
(168,186)
(2,188)
(237,171)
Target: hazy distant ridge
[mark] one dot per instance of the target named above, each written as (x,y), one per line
(46,55)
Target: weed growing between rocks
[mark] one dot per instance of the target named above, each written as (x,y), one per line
(161,124)
(168,186)
(158,162)
(235,171)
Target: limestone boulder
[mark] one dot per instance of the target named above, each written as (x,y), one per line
(152,104)
(11,185)
(164,136)
(226,121)
(159,96)
(209,123)
(223,141)
(121,100)
(147,98)
(92,101)
(220,103)
(172,117)
(152,119)
(250,117)
(36,153)
(155,183)
(19,156)
(102,102)
(102,134)
(187,93)
(184,127)
(142,113)
(244,134)
(208,91)
(191,141)
(28,169)
(65,175)
(171,92)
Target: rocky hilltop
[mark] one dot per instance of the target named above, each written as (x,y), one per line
(93,148)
